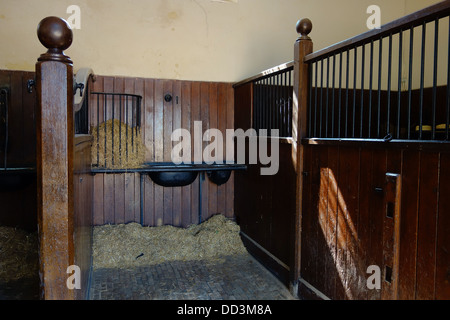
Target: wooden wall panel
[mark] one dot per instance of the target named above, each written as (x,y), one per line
(442,282)
(363,234)
(117,196)
(18,207)
(83,211)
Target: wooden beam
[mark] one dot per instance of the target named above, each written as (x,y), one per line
(303,46)
(55,147)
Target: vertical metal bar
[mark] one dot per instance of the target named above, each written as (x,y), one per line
(127,126)
(326,99)
(133,124)
(285,132)
(333,94)
(105,97)
(433,103)
(380,60)
(346,93)
(257,105)
(422,72)
(310,97)
(363,53)
(388,120)
(399,81)
(321,98)
(370,90)
(355,69)
(315,99)
(411,48)
(447,122)
(277,101)
(340,95)
(4,102)
(267,102)
(120,130)
(98,130)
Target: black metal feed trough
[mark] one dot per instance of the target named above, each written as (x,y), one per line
(168,174)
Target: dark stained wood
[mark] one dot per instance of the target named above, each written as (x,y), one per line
(109,194)
(127,185)
(98,178)
(55,151)
(408,225)
(412,243)
(332,218)
(177,206)
(442,281)
(83,210)
(348,224)
(391,222)
(213,111)
(176,195)
(302,47)
(243,97)
(431,146)
(309,232)
(322,207)
(363,234)
(230,124)
(222,126)
(426,237)
(19,206)
(195,147)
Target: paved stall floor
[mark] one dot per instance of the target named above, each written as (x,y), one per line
(239,277)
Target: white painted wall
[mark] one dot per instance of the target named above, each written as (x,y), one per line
(186,39)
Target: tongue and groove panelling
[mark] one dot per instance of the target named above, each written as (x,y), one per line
(117,196)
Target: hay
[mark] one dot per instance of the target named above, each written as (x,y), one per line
(129,151)
(131,245)
(18,254)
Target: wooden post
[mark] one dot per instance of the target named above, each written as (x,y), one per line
(54,132)
(303,47)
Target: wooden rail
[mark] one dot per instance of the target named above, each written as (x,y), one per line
(271,71)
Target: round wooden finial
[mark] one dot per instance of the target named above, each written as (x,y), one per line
(304,27)
(55,34)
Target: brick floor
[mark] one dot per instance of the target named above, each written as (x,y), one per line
(239,277)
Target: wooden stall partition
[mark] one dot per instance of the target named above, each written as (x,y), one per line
(303,46)
(380,206)
(83,212)
(19,205)
(117,196)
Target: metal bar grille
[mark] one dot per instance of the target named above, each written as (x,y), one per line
(126,109)
(384,87)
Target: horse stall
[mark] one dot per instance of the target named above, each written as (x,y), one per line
(102,170)
(363,182)
(18,220)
